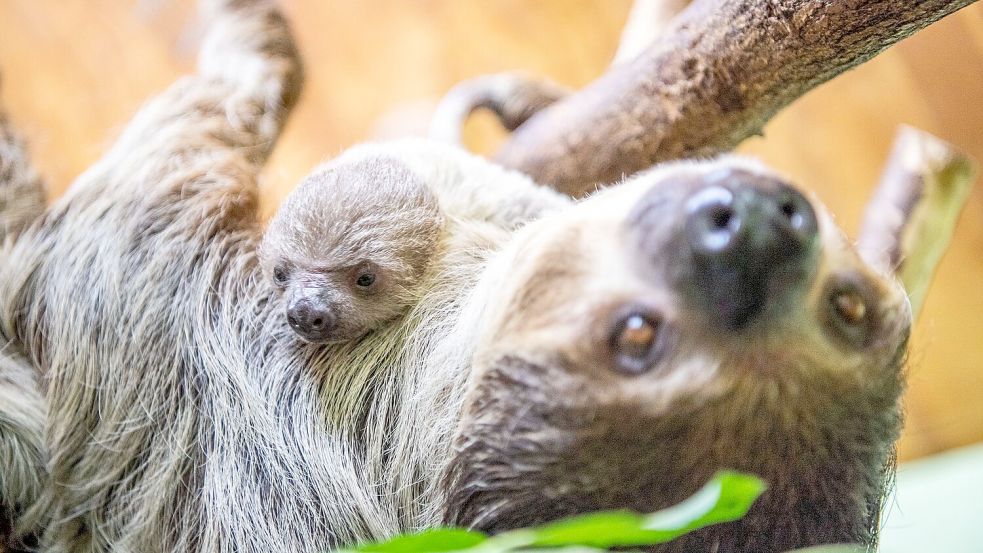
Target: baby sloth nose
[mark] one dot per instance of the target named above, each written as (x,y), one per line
(310,318)
(752,238)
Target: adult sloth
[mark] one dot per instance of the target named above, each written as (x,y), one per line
(563,358)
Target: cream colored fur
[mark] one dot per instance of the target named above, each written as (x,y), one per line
(183,415)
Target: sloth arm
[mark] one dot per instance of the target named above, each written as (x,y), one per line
(119,292)
(190,156)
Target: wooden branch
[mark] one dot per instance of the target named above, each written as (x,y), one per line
(910,220)
(647,20)
(513,97)
(712,79)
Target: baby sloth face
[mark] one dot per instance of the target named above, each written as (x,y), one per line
(349,246)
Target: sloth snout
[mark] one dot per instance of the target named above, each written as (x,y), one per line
(311,318)
(737,216)
(751,239)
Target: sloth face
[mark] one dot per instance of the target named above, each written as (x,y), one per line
(348,248)
(698,317)
(335,303)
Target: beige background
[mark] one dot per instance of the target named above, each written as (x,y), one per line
(74,71)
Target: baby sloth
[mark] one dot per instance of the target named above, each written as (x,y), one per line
(349,246)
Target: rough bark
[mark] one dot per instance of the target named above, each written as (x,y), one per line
(712,79)
(912,215)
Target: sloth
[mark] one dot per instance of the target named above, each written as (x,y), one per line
(349,247)
(559,357)
(22,408)
(695,317)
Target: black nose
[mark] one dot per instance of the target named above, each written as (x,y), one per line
(310,318)
(751,237)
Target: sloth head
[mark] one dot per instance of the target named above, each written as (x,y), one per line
(349,245)
(700,316)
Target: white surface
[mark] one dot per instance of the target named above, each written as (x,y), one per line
(937,506)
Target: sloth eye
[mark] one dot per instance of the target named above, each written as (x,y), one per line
(280,275)
(849,313)
(636,342)
(365,280)
(850,307)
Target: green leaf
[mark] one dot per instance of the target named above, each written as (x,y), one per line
(727,497)
(428,541)
(842,548)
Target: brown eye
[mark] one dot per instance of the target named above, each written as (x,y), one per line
(849,312)
(850,307)
(636,342)
(365,280)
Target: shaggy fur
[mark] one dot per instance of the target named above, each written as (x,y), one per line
(22,458)
(185,416)
(21,189)
(351,244)
(554,426)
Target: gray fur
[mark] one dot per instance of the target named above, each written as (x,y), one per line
(551,427)
(368,217)
(183,416)
(22,409)
(21,188)
(22,454)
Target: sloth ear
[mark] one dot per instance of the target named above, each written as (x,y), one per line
(911,217)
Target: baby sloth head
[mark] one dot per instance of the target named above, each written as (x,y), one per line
(349,246)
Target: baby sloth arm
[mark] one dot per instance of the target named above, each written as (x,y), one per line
(351,245)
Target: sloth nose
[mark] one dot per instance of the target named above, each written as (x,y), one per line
(310,318)
(751,238)
(737,219)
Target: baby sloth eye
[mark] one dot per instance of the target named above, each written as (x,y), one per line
(365,280)
(636,342)
(279,275)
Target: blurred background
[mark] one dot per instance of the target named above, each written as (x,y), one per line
(74,71)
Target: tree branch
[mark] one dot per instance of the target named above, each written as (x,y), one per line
(721,70)
(514,97)
(911,217)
